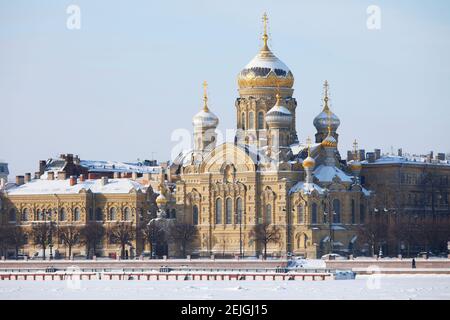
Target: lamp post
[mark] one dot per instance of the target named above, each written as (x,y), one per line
(239,217)
(330,214)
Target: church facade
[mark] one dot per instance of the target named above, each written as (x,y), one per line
(302,190)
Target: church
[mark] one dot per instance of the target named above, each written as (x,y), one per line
(300,191)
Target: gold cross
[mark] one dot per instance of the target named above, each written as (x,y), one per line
(205,95)
(265,36)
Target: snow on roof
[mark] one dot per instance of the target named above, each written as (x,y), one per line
(305,187)
(39,186)
(297,148)
(327,173)
(117,166)
(267,61)
(280,109)
(407,159)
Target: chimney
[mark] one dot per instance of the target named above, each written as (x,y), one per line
(27,177)
(61,175)
(91,176)
(104,180)
(81,177)
(400,152)
(73,180)
(441,156)
(37,175)
(116,175)
(50,175)
(42,164)
(371,157)
(362,154)
(377,154)
(20,180)
(134,175)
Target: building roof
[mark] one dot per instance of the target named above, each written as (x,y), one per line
(407,159)
(305,187)
(327,173)
(117,166)
(41,186)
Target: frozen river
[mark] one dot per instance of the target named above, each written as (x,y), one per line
(364,287)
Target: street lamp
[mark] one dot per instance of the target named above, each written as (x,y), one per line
(239,217)
(330,218)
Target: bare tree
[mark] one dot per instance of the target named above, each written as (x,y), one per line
(16,238)
(3,241)
(40,234)
(374,231)
(122,233)
(264,234)
(183,235)
(91,234)
(70,236)
(153,234)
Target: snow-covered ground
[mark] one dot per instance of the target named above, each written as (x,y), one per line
(364,287)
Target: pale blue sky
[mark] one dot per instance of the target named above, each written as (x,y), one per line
(117,88)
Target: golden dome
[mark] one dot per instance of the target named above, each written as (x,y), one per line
(161,199)
(355,165)
(309,163)
(265,70)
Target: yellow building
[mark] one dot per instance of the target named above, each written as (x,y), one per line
(267,176)
(76,202)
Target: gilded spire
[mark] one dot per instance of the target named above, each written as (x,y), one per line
(205,96)
(265,37)
(355,150)
(329,121)
(325,96)
(308,143)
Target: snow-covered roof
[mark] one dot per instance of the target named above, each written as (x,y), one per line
(117,166)
(306,188)
(40,186)
(267,61)
(326,173)
(393,159)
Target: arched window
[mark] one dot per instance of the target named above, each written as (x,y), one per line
(268,214)
(353,212)
(251,120)
(127,214)
(300,214)
(91,214)
(12,215)
(113,214)
(39,215)
(76,214)
(362,213)
(98,214)
(229,211)
(218,211)
(239,210)
(195,215)
(243,121)
(314,213)
(62,214)
(260,120)
(336,211)
(25,214)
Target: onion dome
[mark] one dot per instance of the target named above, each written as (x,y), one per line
(265,69)
(355,165)
(161,199)
(326,117)
(309,163)
(205,118)
(278,115)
